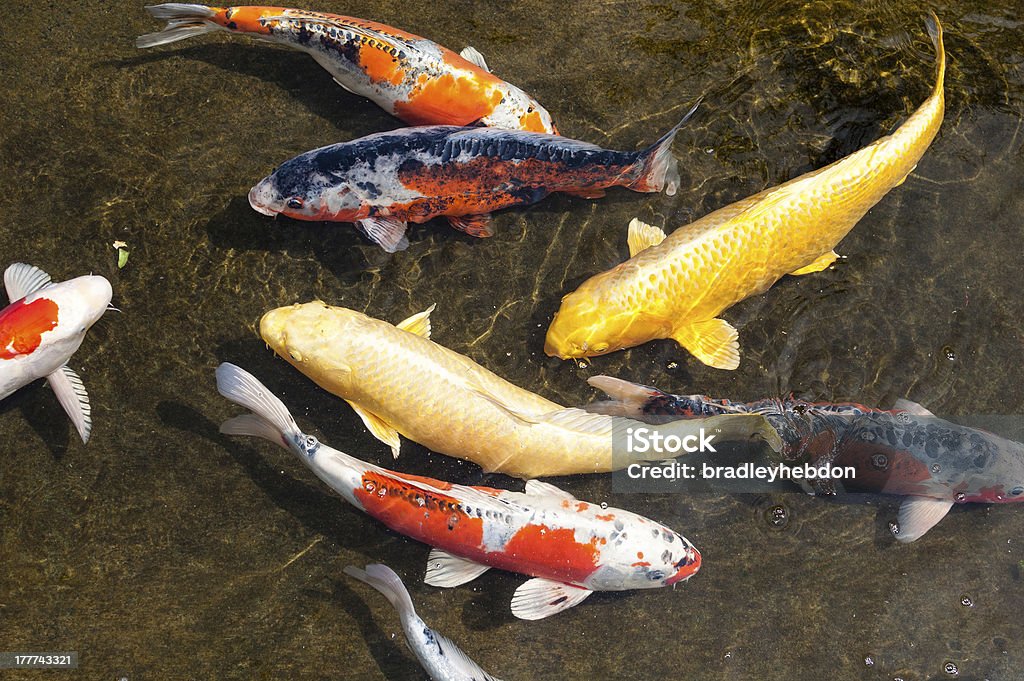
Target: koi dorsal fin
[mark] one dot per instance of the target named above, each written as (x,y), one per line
(20,280)
(342,24)
(642,236)
(912,408)
(536,488)
(418,323)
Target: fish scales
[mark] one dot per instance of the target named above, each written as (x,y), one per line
(400,382)
(410,77)
(570,547)
(676,288)
(907,451)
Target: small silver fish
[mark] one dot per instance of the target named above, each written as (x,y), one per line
(440,657)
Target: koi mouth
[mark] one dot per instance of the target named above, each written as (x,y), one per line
(687,567)
(256,203)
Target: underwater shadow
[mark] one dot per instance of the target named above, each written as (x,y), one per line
(318,511)
(289,69)
(491,606)
(391,656)
(44,415)
(338,247)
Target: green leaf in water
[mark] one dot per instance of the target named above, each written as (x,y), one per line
(122,258)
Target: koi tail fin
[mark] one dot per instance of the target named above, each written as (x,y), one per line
(935,33)
(183,21)
(269,419)
(657,168)
(383,579)
(628,399)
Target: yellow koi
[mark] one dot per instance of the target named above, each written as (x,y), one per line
(401,382)
(676,287)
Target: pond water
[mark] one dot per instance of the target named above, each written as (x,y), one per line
(163,550)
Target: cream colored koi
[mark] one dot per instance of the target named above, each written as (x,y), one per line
(676,287)
(401,382)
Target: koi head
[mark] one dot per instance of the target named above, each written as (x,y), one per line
(999,479)
(519,111)
(79,302)
(588,325)
(668,559)
(642,554)
(301,189)
(686,566)
(312,338)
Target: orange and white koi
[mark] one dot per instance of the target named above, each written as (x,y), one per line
(571,548)
(410,77)
(384,181)
(42,327)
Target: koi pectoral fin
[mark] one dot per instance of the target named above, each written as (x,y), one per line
(446,570)
(918,515)
(473,225)
(20,280)
(473,56)
(70,392)
(818,265)
(388,233)
(539,598)
(714,342)
(379,428)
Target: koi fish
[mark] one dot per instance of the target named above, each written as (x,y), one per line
(42,327)
(675,287)
(399,381)
(384,181)
(410,77)
(907,450)
(571,548)
(440,657)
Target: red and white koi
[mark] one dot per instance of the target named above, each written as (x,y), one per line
(410,77)
(384,181)
(440,657)
(42,327)
(571,548)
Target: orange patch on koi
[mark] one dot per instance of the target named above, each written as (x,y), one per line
(380,66)
(22,326)
(532,122)
(465,100)
(246,19)
(431,518)
(541,545)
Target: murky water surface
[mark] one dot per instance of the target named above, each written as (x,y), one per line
(163,550)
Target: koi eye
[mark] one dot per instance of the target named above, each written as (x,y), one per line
(295,203)
(311,442)
(1017,491)
(601,347)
